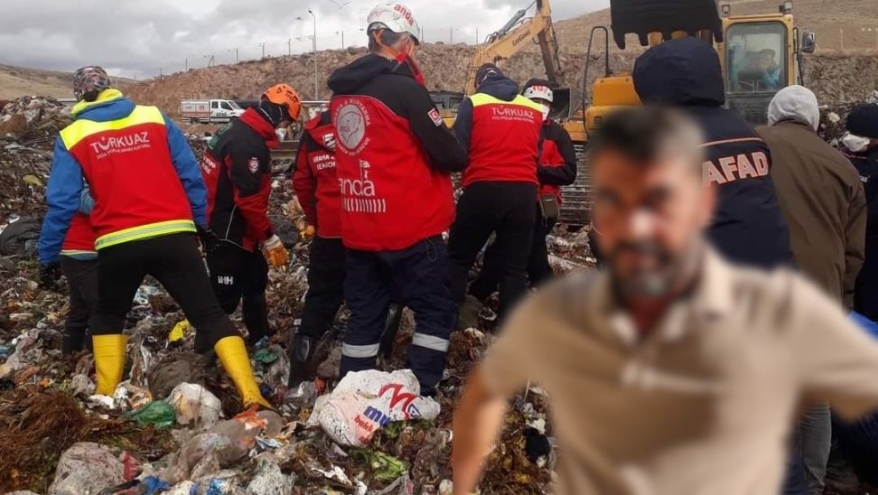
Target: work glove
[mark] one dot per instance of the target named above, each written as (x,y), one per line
(49,275)
(208,238)
(275,252)
(307,233)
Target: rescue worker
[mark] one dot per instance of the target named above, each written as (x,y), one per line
(316,185)
(150,201)
(501,131)
(861,147)
(79,264)
(748,226)
(557,167)
(394,159)
(236,168)
(825,206)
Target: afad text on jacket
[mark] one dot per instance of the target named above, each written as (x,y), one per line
(748,225)
(315,180)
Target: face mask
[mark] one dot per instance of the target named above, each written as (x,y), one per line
(546,110)
(855,143)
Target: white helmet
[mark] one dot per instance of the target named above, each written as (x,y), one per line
(394,17)
(539,92)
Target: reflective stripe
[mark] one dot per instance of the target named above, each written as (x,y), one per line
(360,351)
(144,232)
(480,99)
(74,252)
(83,128)
(430,342)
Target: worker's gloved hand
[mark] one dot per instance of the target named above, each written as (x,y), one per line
(308,233)
(208,238)
(275,252)
(49,275)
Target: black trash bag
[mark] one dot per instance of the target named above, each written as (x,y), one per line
(20,238)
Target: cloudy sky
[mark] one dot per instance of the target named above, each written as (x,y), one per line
(140,38)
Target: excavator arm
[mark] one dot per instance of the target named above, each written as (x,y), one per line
(514,37)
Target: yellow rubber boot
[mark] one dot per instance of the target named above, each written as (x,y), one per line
(109,352)
(233,355)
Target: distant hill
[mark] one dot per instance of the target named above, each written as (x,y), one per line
(18,81)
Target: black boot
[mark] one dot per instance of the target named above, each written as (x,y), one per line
(301,351)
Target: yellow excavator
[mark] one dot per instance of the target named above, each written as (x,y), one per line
(749,47)
(512,38)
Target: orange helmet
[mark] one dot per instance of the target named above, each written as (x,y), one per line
(285,96)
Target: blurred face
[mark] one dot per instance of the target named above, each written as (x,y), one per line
(649,219)
(765,61)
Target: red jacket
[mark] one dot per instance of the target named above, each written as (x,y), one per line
(315,180)
(127,162)
(391,198)
(80,237)
(504,140)
(557,161)
(236,168)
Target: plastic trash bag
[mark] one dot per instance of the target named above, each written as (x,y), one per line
(87,467)
(195,405)
(157,413)
(366,401)
(269,480)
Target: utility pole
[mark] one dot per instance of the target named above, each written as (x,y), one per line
(186,66)
(262,45)
(477,36)
(450,36)
(342,38)
(841,33)
(316,83)
(290,47)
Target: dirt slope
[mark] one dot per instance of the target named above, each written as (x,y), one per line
(15,82)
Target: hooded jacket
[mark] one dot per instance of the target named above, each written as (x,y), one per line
(237,171)
(557,166)
(748,225)
(866,292)
(142,174)
(315,180)
(501,131)
(394,156)
(820,193)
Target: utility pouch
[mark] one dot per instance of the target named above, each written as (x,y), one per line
(549,206)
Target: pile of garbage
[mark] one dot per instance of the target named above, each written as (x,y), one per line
(33,117)
(176,424)
(832,118)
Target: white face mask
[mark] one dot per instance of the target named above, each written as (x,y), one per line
(546,110)
(855,143)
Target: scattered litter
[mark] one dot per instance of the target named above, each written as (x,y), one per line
(179,331)
(87,468)
(157,413)
(366,401)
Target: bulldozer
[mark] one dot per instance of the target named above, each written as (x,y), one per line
(512,38)
(760,54)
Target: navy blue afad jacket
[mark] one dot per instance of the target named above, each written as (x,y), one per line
(748,225)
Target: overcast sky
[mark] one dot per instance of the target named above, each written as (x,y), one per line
(140,38)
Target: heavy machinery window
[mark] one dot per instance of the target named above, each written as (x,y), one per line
(756,57)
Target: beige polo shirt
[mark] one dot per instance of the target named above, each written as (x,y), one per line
(704,404)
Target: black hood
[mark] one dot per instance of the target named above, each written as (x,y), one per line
(354,76)
(680,72)
(499,87)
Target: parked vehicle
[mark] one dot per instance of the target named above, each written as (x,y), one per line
(209,111)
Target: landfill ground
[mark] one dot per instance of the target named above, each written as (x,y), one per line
(157,435)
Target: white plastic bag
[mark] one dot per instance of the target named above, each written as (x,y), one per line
(195,404)
(366,401)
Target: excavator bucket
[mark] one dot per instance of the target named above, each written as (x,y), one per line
(665,17)
(561,105)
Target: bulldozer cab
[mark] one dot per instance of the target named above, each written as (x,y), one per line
(761,54)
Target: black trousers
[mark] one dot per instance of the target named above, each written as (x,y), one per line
(175,262)
(237,274)
(326,275)
(538,268)
(419,277)
(504,208)
(82,289)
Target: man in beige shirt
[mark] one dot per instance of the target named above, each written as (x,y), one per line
(674,372)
